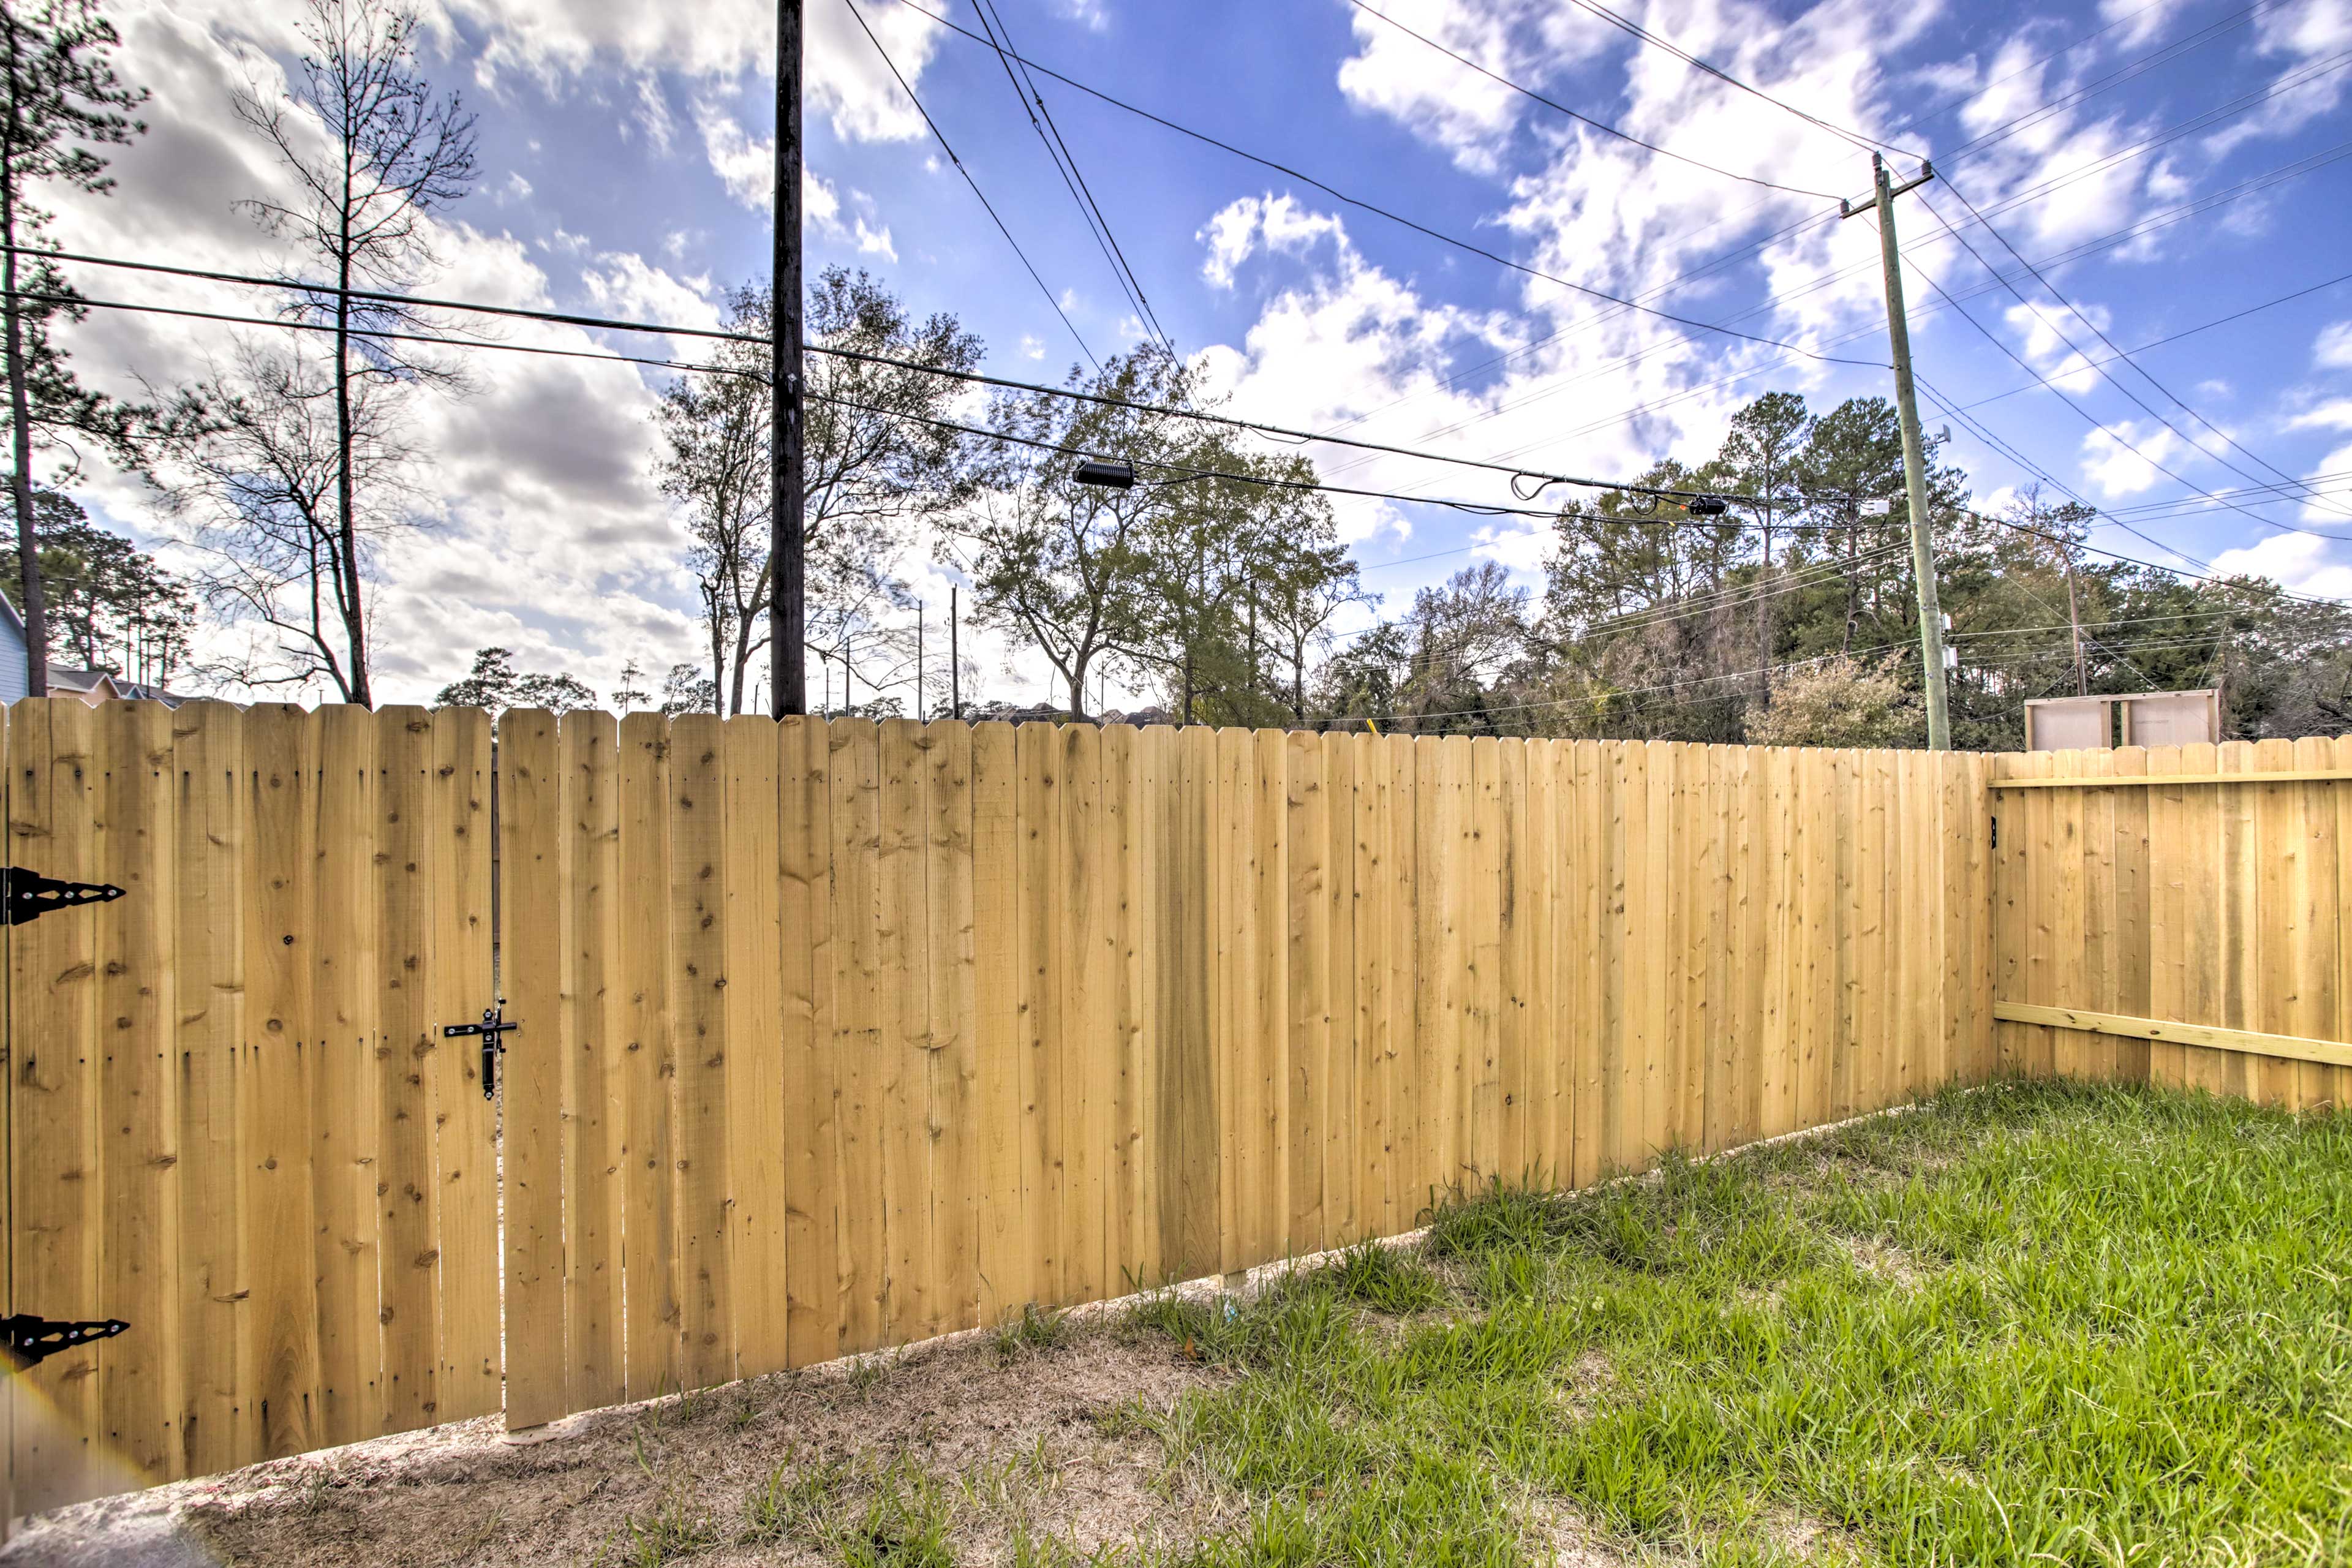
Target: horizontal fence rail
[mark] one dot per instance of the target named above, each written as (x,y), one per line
(2154,927)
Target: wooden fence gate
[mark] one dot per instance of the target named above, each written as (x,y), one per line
(231,1120)
(2176,914)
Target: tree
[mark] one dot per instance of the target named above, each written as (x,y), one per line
(258,479)
(394,153)
(1063,564)
(113,607)
(1759,460)
(878,467)
(1318,581)
(628,697)
(496,684)
(61,100)
(1840,701)
(686,690)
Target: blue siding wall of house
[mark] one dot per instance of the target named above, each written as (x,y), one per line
(11,653)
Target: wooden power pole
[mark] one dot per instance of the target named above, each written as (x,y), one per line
(1915,462)
(787,611)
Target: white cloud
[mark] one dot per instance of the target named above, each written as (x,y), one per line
(516,189)
(1031,347)
(2139,20)
(716,40)
(2300,560)
(2046,329)
(2121,459)
(2332,349)
(1092,15)
(1280,223)
(2333,415)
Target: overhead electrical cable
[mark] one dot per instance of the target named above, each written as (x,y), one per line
(1073,180)
(2138,402)
(976,378)
(1853,138)
(2185,333)
(1583,118)
(2163,219)
(297,324)
(2117,349)
(2093,419)
(1394,217)
(1038,97)
(1051,298)
(2212,32)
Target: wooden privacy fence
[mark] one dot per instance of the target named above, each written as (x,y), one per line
(840,1035)
(2166,914)
(843,1036)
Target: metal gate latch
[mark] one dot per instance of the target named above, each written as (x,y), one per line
(492,1028)
(29,1339)
(27,895)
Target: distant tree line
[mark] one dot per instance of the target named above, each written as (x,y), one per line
(1218,583)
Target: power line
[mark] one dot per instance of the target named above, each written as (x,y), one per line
(2293,169)
(1853,138)
(1418,227)
(1942,403)
(1278,432)
(297,324)
(2120,354)
(1724,259)
(1583,118)
(2094,421)
(2185,333)
(2117,77)
(1051,298)
(1073,180)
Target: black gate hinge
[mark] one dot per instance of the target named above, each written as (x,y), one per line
(493,1029)
(27,895)
(29,1339)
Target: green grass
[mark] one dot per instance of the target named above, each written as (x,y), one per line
(2031,1324)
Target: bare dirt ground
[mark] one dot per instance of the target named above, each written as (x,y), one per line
(991,1441)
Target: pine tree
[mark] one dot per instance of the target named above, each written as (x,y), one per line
(59,97)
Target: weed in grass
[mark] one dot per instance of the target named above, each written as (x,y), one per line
(1390,1279)
(1036,1329)
(671,1530)
(905,1525)
(792,1502)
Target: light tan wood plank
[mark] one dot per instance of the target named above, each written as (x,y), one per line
(530,1076)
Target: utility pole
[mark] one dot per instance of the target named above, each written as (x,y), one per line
(1915,463)
(955,657)
(2075,619)
(920,716)
(787,608)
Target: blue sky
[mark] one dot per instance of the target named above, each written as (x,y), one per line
(625,149)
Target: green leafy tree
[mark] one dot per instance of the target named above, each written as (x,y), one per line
(878,466)
(496,684)
(111,606)
(1758,460)
(1063,566)
(60,102)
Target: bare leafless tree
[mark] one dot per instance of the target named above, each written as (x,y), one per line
(259,478)
(373,152)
